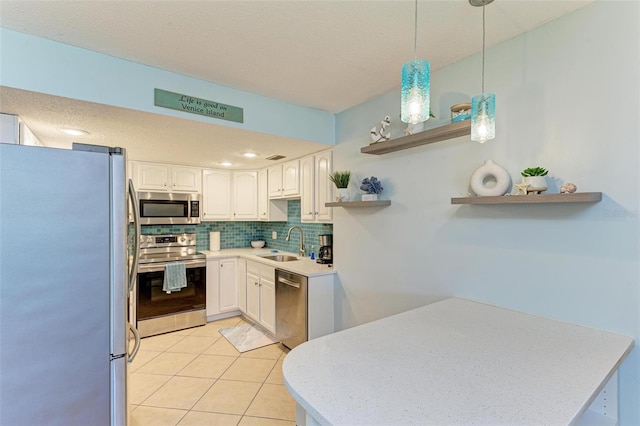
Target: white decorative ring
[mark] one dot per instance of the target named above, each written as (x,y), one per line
(490,179)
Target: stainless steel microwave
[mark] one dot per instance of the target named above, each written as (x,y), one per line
(168,208)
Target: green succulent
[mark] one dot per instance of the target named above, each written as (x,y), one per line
(340,179)
(534,171)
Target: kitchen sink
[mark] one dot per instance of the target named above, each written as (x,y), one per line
(280,257)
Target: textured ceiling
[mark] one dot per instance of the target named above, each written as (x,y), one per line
(329,55)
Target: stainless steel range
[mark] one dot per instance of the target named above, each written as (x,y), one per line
(159,311)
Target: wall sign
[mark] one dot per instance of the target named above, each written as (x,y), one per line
(193,105)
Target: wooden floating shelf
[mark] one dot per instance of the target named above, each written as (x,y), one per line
(437,134)
(378,203)
(576,197)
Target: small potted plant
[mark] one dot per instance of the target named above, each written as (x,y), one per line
(373,187)
(535,178)
(341,181)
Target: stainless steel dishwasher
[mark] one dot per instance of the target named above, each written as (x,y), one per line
(291,308)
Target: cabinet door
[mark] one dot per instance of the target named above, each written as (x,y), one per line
(216,195)
(291,178)
(263,195)
(268,303)
(275,181)
(323,187)
(185,179)
(213,287)
(151,177)
(241,275)
(253,296)
(245,195)
(307,192)
(228,285)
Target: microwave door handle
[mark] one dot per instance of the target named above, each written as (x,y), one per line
(136,346)
(133,273)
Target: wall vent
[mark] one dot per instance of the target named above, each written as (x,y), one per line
(276,157)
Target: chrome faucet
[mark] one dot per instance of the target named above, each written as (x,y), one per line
(301,252)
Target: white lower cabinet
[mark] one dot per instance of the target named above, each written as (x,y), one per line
(242,285)
(261,295)
(222,286)
(228,285)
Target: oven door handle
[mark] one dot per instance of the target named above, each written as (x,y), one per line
(133,273)
(136,346)
(155,267)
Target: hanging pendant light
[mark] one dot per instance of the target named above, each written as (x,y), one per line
(483,106)
(414,106)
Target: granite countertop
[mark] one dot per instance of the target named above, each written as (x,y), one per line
(454,362)
(303,266)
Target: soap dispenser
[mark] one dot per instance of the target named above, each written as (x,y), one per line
(313,253)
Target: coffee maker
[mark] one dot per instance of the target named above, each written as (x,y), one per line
(325,254)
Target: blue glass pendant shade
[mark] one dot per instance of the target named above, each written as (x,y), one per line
(483,117)
(416,85)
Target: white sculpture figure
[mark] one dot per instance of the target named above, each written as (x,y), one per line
(378,135)
(568,188)
(522,188)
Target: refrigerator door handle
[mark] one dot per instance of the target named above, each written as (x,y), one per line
(136,346)
(133,273)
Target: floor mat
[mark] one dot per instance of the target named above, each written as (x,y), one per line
(245,337)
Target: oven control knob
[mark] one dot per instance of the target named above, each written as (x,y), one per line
(182,240)
(149,240)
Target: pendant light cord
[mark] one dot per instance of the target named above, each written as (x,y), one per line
(483,44)
(415,31)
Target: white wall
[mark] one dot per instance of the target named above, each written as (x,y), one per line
(44,66)
(567,99)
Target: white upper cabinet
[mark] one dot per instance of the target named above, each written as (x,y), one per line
(291,178)
(229,195)
(284,180)
(186,179)
(269,210)
(166,178)
(307,181)
(245,195)
(316,188)
(216,195)
(275,181)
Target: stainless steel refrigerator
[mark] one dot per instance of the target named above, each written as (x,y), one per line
(64,286)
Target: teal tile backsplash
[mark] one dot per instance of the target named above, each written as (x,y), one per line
(240,234)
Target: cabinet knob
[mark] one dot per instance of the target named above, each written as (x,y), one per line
(310,213)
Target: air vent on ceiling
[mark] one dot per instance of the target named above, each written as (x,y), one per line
(276,157)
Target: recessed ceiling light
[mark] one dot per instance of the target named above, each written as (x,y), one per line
(226,164)
(73,132)
(250,154)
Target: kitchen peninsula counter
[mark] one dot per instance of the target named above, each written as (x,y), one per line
(454,362)
(303,266)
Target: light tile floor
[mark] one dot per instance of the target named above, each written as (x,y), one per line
(196,377)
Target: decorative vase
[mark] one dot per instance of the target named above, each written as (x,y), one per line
(490,179)
(342,195)
(536,183)
(369,197)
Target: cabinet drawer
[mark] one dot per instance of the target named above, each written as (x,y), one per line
(268,272)
(253,267)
